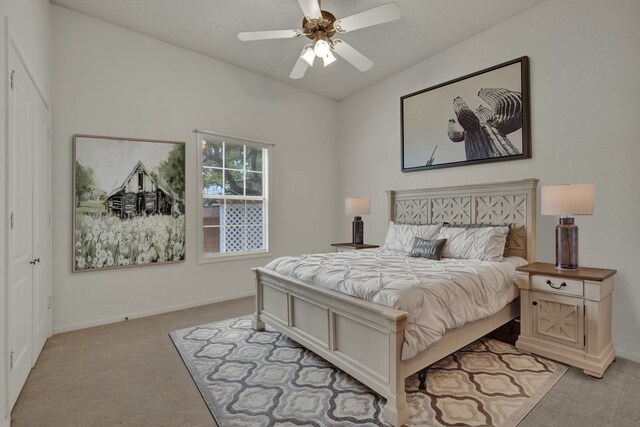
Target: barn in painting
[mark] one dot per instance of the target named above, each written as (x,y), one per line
(140,194)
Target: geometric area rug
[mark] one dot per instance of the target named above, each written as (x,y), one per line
(250,378)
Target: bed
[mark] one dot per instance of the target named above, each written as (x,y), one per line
(366,339)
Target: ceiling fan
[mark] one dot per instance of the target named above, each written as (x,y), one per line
(320,26)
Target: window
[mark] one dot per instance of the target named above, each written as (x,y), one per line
(234,196)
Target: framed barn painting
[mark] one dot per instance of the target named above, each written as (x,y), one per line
(128,202)
(478,118)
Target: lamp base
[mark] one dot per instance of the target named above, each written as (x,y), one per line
(357,231)
(566,244)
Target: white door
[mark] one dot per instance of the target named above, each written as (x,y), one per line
(41,191)
(20,295)
(28,318)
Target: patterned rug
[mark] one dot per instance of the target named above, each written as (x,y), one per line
(250,378)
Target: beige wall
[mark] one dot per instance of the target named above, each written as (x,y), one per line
(111,81)
(29,26)
(585,98)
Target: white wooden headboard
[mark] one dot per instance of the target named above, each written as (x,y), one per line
(512,202)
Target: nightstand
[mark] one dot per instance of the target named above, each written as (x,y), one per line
(565,315)
(347,247)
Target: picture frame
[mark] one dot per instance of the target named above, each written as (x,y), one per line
(128,202)
(478,118)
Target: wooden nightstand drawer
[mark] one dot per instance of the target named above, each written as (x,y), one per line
(558,285)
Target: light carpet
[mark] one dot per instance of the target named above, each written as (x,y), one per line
(250,378)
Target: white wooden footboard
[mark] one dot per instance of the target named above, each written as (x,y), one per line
(361,338)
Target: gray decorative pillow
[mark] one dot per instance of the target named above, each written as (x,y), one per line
(431,249)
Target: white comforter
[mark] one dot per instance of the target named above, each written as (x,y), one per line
(438,295)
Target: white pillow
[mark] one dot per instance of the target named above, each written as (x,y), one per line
(400,236)
(485,243)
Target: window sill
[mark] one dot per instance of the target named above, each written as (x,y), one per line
(232,257)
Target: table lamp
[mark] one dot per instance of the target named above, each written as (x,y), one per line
(357,206)
(567,200)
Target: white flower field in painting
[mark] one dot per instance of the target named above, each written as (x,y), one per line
(109,241)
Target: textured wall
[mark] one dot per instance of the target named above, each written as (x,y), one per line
(29,22)
(585,96)
(111,81)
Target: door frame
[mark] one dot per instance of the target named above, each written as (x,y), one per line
(10,42)
(4,226)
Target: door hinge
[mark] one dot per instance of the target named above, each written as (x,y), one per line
(49,218)
(11,219)
(13,73)
(50,302)
(49,134)
(11,359)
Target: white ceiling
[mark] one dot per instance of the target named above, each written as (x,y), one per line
(210,27)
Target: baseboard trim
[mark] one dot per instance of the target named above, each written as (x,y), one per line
(146,313)
(629,356)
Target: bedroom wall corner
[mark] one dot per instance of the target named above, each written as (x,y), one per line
(584,57)
(115,82)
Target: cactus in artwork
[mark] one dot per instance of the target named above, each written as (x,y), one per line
(485,131)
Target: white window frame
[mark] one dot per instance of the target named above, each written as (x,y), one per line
(208,257)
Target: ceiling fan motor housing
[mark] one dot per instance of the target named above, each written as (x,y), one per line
(321,28)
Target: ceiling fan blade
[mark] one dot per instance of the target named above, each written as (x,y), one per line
(310,8)
(300,68)
(377,15)
(352,56)
(268,35)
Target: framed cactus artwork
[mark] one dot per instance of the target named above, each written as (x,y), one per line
(478,118)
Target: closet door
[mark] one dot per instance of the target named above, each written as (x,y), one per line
(41,207)
(20,280)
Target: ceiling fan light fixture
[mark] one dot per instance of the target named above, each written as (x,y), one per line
(321,48)
(309,55)
(320,26)
(329,58)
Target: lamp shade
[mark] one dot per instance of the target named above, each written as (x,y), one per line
(309,55)
(567,199)
(321,48)
(328,59)
(357,206)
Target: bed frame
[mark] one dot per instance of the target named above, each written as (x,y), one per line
(365,339)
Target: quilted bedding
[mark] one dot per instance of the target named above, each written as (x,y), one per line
(437,295)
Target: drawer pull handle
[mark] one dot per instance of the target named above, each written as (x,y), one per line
(535,303)
(562,285)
